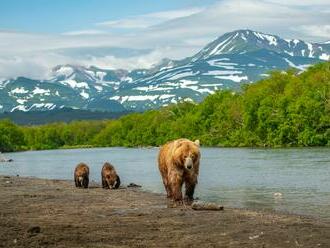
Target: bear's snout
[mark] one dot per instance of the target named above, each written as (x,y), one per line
(188,163)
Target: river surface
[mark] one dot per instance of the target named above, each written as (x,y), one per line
(286,180)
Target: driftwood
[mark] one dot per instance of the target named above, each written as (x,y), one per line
(134,185)
(199,205)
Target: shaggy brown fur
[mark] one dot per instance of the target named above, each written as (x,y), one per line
(178,163)
(81,175)
(110,178)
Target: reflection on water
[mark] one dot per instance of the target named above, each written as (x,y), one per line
(289,180)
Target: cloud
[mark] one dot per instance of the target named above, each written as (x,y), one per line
(85,32)
(39,65)
(36,66)
(136,62)
(301,2)
(322,31)
(229,15)
(173,34)
(173,14)
(147,20)
(18,42)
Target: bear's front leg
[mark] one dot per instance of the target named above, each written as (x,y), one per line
(76,182)
(104,183)
(189,194)
(176,181)
(85,182)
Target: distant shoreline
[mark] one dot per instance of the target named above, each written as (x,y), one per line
(39,212)
(155,147)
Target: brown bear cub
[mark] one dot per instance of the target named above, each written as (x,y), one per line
(178,163)
(81,175)
(110,178)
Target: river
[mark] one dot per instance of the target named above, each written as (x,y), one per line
(295,180)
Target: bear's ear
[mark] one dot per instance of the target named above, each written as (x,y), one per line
(197,142)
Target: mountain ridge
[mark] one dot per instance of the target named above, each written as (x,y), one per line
(235,58)
(292,47)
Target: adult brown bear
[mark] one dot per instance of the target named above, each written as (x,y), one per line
(178,163)
(81,175)
(110,178)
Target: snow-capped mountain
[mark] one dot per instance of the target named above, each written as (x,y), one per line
(243,41)
(68,86)
(233,59)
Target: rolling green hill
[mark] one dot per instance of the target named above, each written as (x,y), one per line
(57,115)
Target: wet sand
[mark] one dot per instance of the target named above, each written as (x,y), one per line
(53,213)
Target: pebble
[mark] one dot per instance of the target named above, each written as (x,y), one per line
(34,229)
(278,195)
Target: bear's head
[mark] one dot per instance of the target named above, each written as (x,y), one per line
(110,176)
(186,153)
(113,181)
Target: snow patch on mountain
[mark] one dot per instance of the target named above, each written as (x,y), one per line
(299,67)
(98,88)
(270,38)
(20,108)
(218,48)
(101,75)
(123,99)
(233,78)
(127,79)
(218,63)
(63,71)
(84,94)
(310,49)
(325,56)
(182,75)
(20,90)
(39,91)
(217,73)
(165,96)
(74,84)
(21,101)
(151,88)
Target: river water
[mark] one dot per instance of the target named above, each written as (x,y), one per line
(295,180)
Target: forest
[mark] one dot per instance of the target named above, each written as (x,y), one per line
(287,109)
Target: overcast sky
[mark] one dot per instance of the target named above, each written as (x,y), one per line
(36,35)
